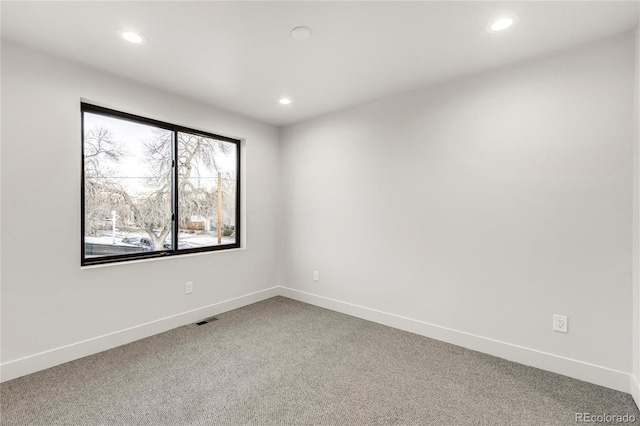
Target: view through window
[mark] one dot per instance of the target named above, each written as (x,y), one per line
(155,189)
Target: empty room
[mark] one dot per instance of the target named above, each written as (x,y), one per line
(320,213)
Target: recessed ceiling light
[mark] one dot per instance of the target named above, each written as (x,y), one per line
(285,101)
(301,33)
(132,37)
(503,23)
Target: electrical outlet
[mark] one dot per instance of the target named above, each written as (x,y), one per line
(316,276)
(560,323)
(188,288)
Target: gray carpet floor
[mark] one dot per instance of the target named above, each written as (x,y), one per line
(282,362)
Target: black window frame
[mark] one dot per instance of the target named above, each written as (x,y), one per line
(173,251)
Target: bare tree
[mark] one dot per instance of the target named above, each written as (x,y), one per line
(100,150)
(150,209)
(197,159)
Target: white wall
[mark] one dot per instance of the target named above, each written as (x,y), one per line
(474,210)
(470,211)
(48,301)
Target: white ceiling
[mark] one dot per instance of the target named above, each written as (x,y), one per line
(240,56)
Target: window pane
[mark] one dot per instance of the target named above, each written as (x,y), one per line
(127,196)
(206,191)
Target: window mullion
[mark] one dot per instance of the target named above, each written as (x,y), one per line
(174,193)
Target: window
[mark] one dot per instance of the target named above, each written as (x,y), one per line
(153,189)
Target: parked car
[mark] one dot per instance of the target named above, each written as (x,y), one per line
(181,245)
(132,240)
(145,243)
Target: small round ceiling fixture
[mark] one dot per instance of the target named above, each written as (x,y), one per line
(301,33)
(132,37)
(285,101)
(502,23)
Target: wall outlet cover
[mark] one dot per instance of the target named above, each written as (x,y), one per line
(560,323)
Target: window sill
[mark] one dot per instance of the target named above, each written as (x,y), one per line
(161,258)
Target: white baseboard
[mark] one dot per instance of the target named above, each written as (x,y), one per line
(40,361)
(599,375)
(592,373)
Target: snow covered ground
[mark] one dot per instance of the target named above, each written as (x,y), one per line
(193,240)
